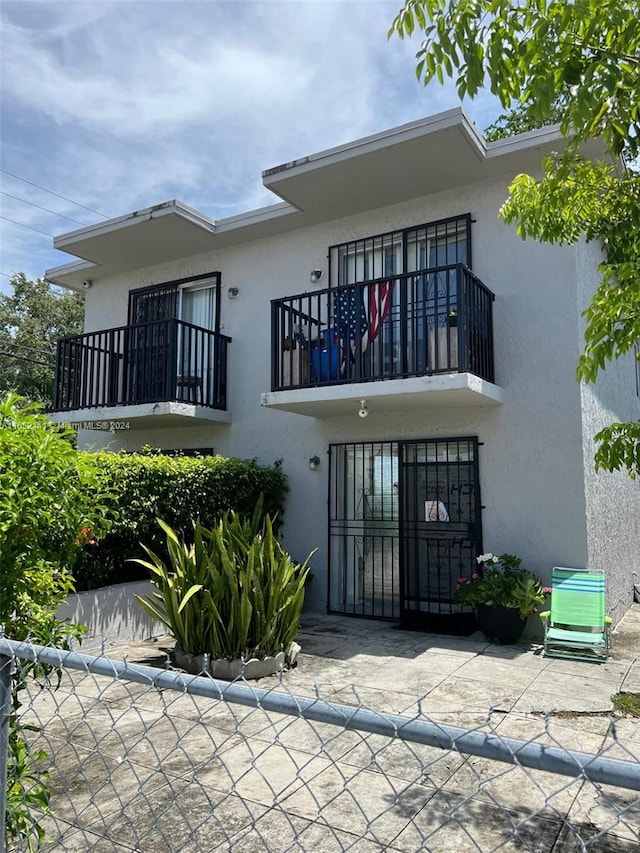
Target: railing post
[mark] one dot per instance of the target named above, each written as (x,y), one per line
(224,373)
(490,354)
(276,379)
(404,332)
(213,394)
(6,673)
(56,391)
(172,365)
(464,335)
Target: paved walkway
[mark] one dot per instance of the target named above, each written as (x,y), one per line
(136,769)
(460,675)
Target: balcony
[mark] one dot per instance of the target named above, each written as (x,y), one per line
(398,342)
(160,373)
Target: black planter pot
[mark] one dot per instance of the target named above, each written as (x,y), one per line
(503,624)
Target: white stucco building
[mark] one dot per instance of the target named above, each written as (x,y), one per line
(382,283)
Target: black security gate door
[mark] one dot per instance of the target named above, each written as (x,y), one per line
(440,530)
(150,343)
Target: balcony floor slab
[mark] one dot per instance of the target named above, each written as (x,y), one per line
(142,416)
(393,395)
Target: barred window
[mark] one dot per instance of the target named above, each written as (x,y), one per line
(195,300)
(425,247)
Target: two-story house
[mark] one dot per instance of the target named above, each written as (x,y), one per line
(408,357)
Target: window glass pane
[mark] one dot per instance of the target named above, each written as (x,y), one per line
(428,246)
(198,306)
(415,295)
(437,245)
(189,300)
(370,259)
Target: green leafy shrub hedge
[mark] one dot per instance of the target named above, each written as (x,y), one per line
(143,487)
(49,495)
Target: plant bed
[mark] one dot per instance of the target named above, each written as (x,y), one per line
(233,594)
(237,668)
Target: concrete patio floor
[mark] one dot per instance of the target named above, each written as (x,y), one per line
(142,770)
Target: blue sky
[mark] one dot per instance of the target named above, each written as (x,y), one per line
(119,105)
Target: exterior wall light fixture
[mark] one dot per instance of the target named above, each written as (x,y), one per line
(363,411)
(233,292)
(315,275)
(314,463)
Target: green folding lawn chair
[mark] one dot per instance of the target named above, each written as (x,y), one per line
(576,626)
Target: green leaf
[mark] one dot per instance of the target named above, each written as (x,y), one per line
(192,591)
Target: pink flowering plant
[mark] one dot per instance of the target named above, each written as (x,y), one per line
(501,582)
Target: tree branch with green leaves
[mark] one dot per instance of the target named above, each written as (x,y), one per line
(33,317)
(576,64)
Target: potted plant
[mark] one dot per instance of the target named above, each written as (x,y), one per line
(502,594)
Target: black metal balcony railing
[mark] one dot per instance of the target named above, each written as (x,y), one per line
(161,361)
(417,324)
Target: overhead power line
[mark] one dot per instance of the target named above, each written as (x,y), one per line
(46,209)
(27,347)
(24,358)
(51,192)
(30,227)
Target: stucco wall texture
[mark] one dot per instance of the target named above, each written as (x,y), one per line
(612,499)
(541,497)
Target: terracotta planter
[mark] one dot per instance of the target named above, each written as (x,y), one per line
(503,624)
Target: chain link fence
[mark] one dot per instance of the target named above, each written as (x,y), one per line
(146,759)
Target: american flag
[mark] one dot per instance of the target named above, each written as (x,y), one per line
(360,313)
(379,305)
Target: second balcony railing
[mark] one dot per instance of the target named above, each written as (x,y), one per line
(435,321)
(162,361)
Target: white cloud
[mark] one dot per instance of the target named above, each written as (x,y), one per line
(121,104)
(156,92)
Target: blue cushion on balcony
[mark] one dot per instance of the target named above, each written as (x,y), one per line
(325,358)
